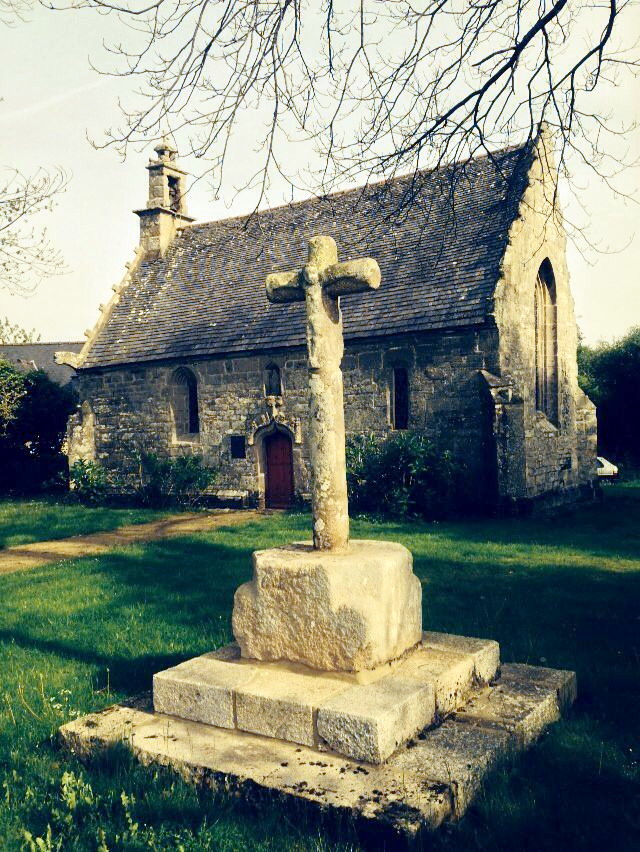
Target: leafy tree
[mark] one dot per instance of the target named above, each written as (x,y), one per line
(31,443)
(164,481)
(610,375)
(90,482)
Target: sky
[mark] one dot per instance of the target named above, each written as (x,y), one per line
(53,103)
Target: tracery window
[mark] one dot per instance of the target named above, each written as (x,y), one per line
(546,342)
(184,403)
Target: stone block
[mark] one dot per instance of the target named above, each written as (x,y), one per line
(525,701)
(365,715)
(370,721)
(562,681)
(333,611)
(450,673)
(485,652)
(388,795)
(431,780)
(458,756)
(282,704)
(201,689)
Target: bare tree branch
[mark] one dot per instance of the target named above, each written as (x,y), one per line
(376,87)
(26,255)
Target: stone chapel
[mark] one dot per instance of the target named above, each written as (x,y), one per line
(471,338)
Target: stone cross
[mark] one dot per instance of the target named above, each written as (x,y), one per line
(319,284)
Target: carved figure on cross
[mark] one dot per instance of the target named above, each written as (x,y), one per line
(319,284)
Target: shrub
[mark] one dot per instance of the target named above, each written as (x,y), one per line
(164,481)
(403,475)
(33,425)
(12,389)
(89,481)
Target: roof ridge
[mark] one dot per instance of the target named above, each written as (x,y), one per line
(440,264)
(45,343)
(508,149)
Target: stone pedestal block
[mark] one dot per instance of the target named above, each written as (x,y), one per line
(348,611)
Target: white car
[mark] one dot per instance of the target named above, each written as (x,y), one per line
(606,468)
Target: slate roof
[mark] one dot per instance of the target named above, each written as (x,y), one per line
(40,356)
(439,258)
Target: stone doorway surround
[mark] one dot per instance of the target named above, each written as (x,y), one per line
(258,436)
(278,456)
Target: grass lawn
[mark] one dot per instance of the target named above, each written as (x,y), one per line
(44,519)
(563,591)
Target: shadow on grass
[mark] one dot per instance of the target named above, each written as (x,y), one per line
(145,608)
(610,529)
(168,601)
(49,518)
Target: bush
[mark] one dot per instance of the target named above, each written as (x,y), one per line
(34,412)
(159,482)
(12,389)
(165,482)
(89,481)
(403,475)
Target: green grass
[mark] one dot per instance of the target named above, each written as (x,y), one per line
(25,521)
(563,592)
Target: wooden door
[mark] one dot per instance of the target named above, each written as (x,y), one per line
(279,471)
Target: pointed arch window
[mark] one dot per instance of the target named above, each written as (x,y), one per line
(272,380)
(546,342)
(184,403)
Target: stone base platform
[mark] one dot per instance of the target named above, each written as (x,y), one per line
(348,610)
(430,780)
(364,715)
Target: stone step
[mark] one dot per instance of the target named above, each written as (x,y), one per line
(371,721)
(366,716)
(523,702)
(432,779)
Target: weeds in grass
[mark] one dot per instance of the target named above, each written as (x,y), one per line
(76,636)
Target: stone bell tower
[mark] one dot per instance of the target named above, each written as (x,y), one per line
(166,210)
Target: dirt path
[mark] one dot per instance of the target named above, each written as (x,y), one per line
(38,553)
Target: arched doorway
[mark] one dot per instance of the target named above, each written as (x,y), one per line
(278,458)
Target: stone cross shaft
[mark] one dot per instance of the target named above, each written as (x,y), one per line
(319,284)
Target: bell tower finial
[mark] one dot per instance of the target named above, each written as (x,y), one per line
(165,149)
(166,210)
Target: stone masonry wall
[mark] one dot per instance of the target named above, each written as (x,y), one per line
(130,407)
(559,457)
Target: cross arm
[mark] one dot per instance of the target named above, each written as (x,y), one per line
(352,276)
(284,287)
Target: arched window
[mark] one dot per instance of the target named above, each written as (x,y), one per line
(546,342)
(174,194)
(400,403)
(184,403)
(272,382)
